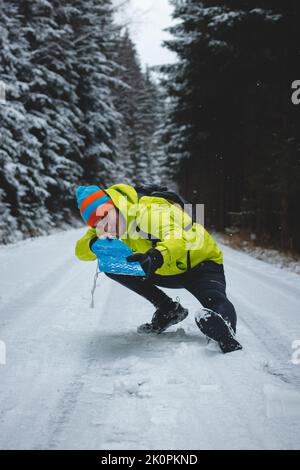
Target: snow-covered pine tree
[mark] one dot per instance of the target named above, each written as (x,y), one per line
(144,127)
(124,101)
(160,172)
(52,101)
(94,37)
(139,103)
(23,190)
(127,103)
(72,114)
(149,115)
(59,123)
(173,131)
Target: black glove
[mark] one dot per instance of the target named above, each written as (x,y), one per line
(150,261)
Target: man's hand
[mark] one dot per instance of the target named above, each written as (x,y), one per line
(150,261)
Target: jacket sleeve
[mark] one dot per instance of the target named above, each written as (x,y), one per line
(82,250)
(162,222)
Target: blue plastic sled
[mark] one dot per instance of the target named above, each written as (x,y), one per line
(112,256)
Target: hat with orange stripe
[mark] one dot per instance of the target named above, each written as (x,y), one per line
(93,204)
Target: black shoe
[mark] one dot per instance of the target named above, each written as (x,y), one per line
(169,313)
(215,327)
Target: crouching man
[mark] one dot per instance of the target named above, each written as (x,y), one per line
(173,251)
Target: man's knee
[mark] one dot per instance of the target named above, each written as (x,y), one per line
(212,297)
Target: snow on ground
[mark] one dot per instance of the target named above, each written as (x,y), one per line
(81,378)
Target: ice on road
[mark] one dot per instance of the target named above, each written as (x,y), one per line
(76,378)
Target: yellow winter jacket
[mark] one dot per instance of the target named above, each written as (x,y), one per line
(181,243)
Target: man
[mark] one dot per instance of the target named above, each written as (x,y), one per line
(173,251)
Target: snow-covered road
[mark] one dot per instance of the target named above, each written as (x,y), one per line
(81,378)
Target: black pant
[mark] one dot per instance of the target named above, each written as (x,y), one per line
(206,282)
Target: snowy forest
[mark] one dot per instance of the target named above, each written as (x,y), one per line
(78,108)
(125,328)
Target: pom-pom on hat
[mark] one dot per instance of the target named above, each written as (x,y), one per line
(93,204)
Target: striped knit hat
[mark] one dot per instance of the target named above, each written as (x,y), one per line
(93,204)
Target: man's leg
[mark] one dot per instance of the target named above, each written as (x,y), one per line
(216,300)
(207,283)
(143,287)
(167,311)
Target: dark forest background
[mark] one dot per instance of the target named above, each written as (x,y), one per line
(219,124)
(233,138)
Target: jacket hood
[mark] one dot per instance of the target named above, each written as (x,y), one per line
(125,198)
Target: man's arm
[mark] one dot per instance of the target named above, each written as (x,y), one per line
(83,246)
(164,222)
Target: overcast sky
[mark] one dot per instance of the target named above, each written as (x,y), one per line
(146,20)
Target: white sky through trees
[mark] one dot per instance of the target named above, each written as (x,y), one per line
(146,20)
